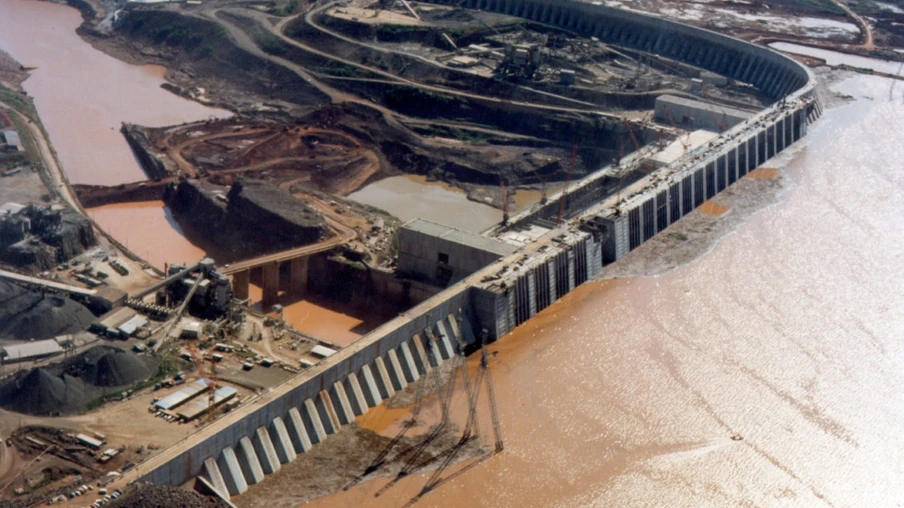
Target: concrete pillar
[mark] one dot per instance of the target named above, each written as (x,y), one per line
(433,355)
(248,461)
(420,355)
(232,472)
(341,404)
(211,471)
(270,283)
(355,394)
(371,391)
(240,282)
(298,276)
(279,436)
(446,348)
(263,445)
(312,420)
(396,374)
(409,368)
(328,414)
(383,379)
(297,433)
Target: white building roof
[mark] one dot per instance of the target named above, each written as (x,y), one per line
(11,208)
(322,351)
(32,349)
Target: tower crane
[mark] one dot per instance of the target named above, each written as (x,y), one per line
(574,154)
(505,205)
(668,113)
(211,376)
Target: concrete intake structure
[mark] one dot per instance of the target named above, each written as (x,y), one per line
(309,407)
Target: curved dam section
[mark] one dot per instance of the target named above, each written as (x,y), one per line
(245,445)
(773,73)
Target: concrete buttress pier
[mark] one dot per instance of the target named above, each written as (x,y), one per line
(270,285)
(240,282)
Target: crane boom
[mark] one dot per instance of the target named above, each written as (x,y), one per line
(574,154)
(631,133)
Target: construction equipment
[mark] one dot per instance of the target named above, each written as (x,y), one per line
(684,142)
(574,154)
(505,205)
(631,133)
(211,377)
(494,414)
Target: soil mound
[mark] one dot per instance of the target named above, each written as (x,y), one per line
(109,366)
(41,392)
(28,315)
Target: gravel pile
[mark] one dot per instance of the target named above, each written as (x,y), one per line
(109,366)
(26,315)
(41,392)
(68,387)
(149,495)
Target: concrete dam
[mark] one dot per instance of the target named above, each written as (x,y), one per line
(243,446)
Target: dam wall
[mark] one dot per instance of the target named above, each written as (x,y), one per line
(235,450)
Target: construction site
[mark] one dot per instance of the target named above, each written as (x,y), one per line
(310,308)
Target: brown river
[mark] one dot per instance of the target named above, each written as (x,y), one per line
(769,372)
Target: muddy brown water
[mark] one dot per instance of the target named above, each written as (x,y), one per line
(83,95)
(148,229)
(787,337)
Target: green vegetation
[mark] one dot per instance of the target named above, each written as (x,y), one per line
(18,102)
(826,5)
(287,9)
(678,236)
(169,29)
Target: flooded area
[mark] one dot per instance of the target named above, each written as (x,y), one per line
(411,196)
(324,318)
(835,58)
(149,230)
(766,373)
(83,95)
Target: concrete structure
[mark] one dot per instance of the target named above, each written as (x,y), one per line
(442,254)
(601,228)
(30,350)
(694,114)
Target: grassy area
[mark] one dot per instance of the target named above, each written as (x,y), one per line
(18,102)
(287,9)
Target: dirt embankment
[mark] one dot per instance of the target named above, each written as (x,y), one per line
(138,142)
(258,219)
(199,54)
(12,74)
